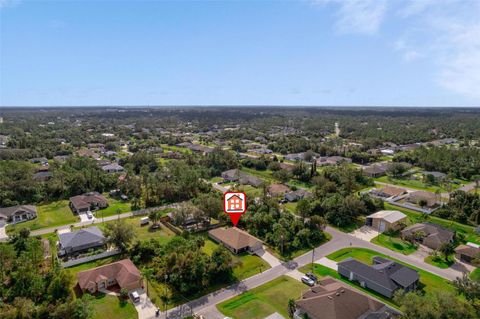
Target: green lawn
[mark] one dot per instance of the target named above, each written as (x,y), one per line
(115,206)
(49,215)
(107,306)
(475,275)
(394,243)
(163,234)
(266,175)
(291,206)
(439,262)
(430,281)
(247,265)
(93,264)
(251,191)
(264,300)
(416,217)
(413,183)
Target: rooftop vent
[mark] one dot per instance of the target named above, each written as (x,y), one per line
(330,297)
(337,294)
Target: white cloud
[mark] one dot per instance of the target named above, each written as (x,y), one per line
(8,3)
(358,16)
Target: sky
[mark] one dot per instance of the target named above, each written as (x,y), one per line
(243,52)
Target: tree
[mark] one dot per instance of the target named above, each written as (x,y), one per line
(447,249)
(291,308)
(303,208)
(468,287)
(120,234)
(155,216)
(147,274)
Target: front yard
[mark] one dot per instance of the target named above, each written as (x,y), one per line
(49,215)
(262,301)
(107,306)
(394,243)
(115,207)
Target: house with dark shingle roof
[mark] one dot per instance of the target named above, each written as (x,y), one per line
(235,175)
(384,276)
(297,195)
(332,299)
(80,241)
(433,235)
(469,253)
(17,214)
(88,201)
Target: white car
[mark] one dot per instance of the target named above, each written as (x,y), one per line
(307,280)
(89,215)
(135,296)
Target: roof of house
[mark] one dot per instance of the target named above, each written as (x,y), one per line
(333,299)
(423,194)
(81,237)
(298,194)
(6,212)
(392,191)
(433,231)
(124,272)
(375,169)
(390,216)
(468,251)
(384,272)
(234,237)
(112,166)
(278,189)
(85,200)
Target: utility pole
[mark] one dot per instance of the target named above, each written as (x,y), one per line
(313,257)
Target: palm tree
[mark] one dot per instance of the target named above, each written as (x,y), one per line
(147,274)
(291,307)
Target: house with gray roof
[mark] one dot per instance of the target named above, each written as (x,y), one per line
(384,276)
(432,235)
(297,195)
(17,214)
(113,168)
(235,175)
(81,241)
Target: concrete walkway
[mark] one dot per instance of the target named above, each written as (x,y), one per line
(3,233)
(324,261)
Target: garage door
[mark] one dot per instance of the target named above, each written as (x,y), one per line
(2,222)
(381,228)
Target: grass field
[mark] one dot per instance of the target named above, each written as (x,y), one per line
(115,206)
(430,281)
(93,264)
(414,183)
(440,262)
(49,215)
(107,306)
(416,217)
(394,243)
(262,301)
(475,275)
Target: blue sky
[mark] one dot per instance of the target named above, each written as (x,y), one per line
(323,52)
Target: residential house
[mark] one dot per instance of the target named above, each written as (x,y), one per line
(236,240)
(384,276)
(39,160)
(295,157)
(439,176)
(235,175)
(375,170)
(42,176)
(122,273)
(3,141)
(80,241)
(89,201)
(332,299)
(17,214)
(418,196)
(297,195)
(88,153)
(469,253)
(286,166)
(386,220)
(332,160)
(432,235)
(276,190)
(388,191)
(113,168)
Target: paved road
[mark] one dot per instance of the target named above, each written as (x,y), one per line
(49,230)
(339,240)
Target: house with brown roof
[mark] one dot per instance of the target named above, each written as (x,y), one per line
(375,170)
(332,299)
(388,191)
(17,214)
(88,201)
(432,235)
(418,196)
(469,253)
(332,160)
(122,273)
(278,190)
(236,240)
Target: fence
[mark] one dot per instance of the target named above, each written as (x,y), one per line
(83,260)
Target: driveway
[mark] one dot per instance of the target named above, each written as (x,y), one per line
(3,233)
(84,218)
(324,261)
(269,258)
(365,233)
(211,313)
(145,307)
(64,230)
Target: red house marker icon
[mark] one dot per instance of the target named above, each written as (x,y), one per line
(235,204)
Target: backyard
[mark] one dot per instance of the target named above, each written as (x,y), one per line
(417,183)
(115,206)
(394,243)
(264,300)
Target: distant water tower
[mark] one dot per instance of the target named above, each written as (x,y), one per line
(337,129)
(1,120)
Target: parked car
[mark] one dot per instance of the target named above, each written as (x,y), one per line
(89,215)
(308,281)
(311,276)
(135,296)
